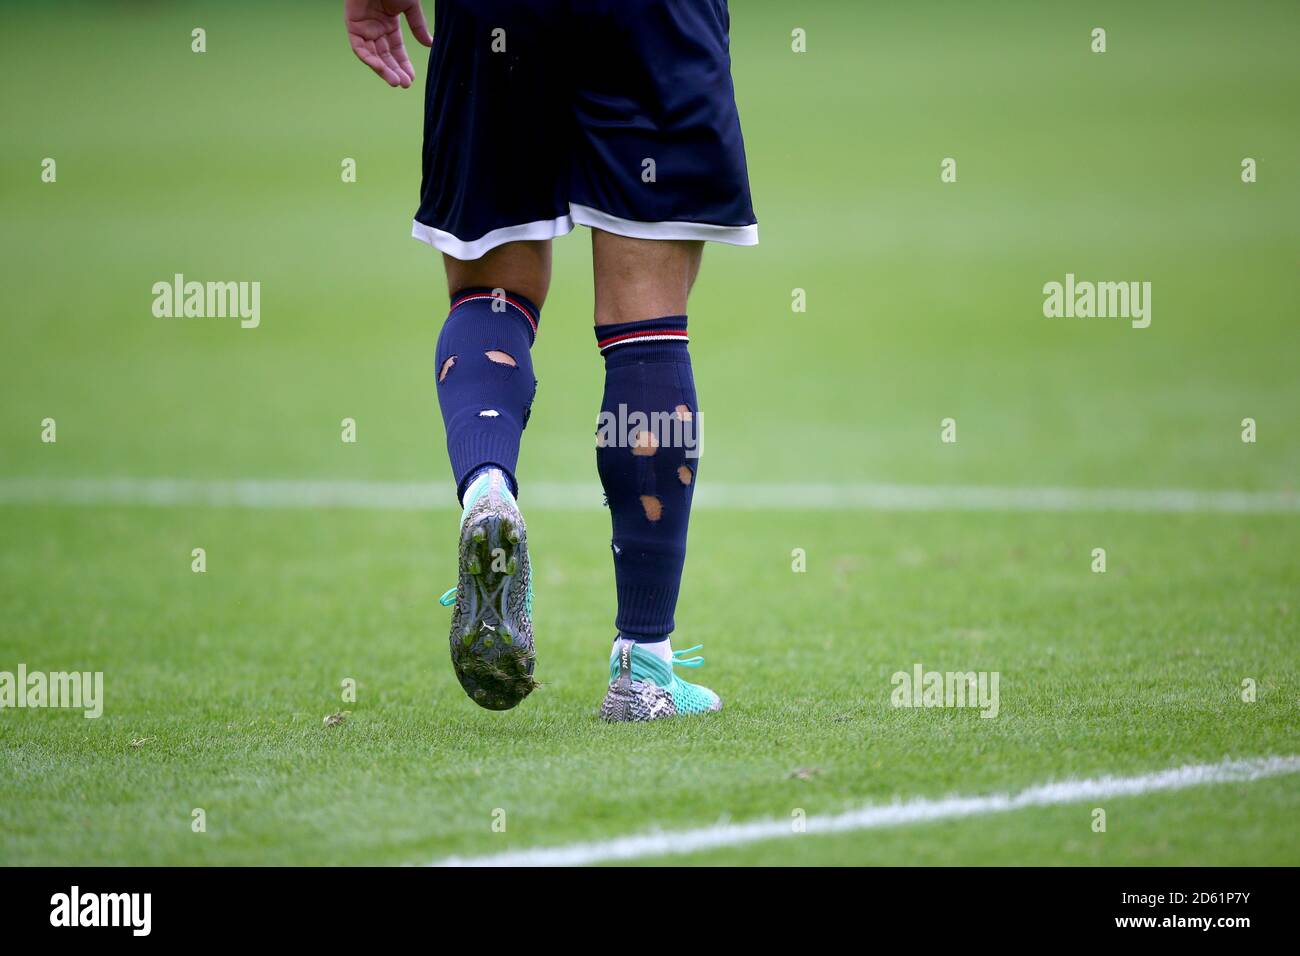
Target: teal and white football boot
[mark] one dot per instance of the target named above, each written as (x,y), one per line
(642,686)
(491,626)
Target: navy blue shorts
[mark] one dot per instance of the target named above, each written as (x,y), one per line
(616,114)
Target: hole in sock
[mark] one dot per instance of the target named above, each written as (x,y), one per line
(501,358)
(654,508)
(446,367)
(683,413)
(685,474)
(644,444)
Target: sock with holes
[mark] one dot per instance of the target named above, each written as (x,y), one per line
(647,456)
(485,381)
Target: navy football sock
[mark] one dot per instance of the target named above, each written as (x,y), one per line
(647,455)
(485,381)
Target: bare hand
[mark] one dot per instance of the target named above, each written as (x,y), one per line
(375,32)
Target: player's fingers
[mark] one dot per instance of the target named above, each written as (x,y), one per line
(419,26)
(384,47)
(372,60)
(390,61)
(391,51)
(404,62)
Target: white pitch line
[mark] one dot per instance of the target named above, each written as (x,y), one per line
(658,844)
(582,496)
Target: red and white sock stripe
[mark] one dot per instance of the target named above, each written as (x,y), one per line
(475,296)
(644,335)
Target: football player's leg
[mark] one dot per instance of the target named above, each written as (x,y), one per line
(652,191)
(485,390)
(647,454)
(485,371)
(492,196)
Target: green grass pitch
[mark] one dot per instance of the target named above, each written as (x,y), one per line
(924,302)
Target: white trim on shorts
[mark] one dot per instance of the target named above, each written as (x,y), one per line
(583,216)
(460,249)
(733,235)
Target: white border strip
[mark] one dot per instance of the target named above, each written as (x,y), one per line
(660,844)
(584,216)
(581,496)
(734,235)
(460,249)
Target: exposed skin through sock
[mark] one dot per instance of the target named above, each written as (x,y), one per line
(485,380)
(648,380)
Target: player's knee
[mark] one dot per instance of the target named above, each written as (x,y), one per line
(638,279)
(523,267)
